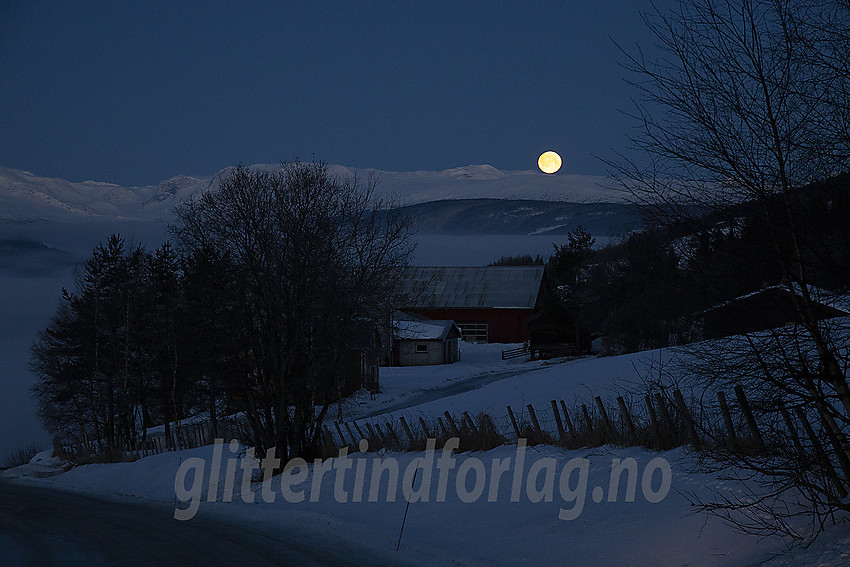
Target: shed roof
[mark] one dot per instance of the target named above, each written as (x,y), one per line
(423,329)
(505,287)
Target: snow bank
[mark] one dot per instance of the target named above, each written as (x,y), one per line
(481,532)
(495,528)
(42,465)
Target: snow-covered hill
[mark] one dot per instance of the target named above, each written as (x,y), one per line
(525,217)
(487,182)
(25,196)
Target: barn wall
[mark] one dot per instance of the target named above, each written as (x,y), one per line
(503,325)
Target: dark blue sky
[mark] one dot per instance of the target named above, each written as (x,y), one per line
(135,93)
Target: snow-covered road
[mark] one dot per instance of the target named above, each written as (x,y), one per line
(41,526)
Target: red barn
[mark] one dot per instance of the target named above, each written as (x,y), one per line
(489,304)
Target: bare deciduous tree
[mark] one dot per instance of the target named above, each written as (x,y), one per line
(314,256)
(749,105)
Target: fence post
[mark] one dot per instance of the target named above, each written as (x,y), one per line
(567,420)
(443,428)
(513,422)
(604,414)
(424,428)
(653,419)
(828,423)
(683,409)
(558,422)
(665,417)
(407,430)
(341,436)
(391,431)
(807,427)
(534,419)
(354,440)
(786,417)
(727,419)
(372,435)
(451,422)
(488,421)
(470,423)
(748,415)
(385,437)
(359,432)
(587,419)
(627,419)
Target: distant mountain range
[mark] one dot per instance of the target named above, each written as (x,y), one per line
(521,217)
(26,197)
(462,216)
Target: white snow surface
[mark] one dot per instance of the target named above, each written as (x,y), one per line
(453,532)
(537,383)
(479,533)
(42,465)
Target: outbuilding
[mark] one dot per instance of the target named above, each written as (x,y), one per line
(420,342)
(767,308)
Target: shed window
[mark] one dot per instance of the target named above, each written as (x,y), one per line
(422,348)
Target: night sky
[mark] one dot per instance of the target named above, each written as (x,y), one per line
(136,93)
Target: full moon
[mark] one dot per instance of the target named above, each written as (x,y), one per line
(549,162)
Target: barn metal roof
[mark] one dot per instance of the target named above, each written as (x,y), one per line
(505,287)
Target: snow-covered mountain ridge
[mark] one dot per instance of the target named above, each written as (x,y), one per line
(25,196)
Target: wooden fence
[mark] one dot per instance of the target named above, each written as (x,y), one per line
(517,352)
(659,420)
(182,436)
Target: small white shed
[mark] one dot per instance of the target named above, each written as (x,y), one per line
(421,342)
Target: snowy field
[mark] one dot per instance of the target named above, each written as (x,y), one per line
(429,391)
(500,532)
(497,527)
